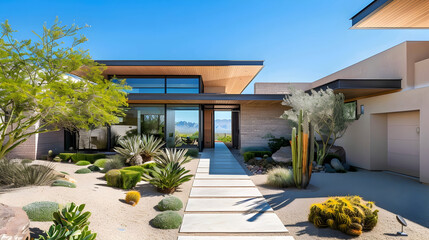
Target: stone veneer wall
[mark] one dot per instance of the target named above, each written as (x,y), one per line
(257,120)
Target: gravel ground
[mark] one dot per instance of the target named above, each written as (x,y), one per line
(111,218)
(392,195)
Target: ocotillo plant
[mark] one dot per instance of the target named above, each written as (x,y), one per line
(302,147)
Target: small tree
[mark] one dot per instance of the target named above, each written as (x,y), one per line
(38,93)
(326,112)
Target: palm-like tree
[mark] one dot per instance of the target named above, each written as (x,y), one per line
(173,155)
(150,147)
(131,148)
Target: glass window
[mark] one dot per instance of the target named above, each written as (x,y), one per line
(350,110)
(183,85)
(182,126)
(146,85)
(140,119)
(93,139)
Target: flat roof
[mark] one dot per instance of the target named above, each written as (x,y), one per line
(204,98)
(391,14)
(360,88)
(232,75)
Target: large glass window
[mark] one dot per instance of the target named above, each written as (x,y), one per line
(93,139)
(163,84)
(183,85)
(140,119)
(182,126)
(146,85)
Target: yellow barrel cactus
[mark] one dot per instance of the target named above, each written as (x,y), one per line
(132,197)
(350,215)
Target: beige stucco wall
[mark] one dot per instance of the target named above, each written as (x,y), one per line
(396,62)
(257,120)
(278,87)
(365,140)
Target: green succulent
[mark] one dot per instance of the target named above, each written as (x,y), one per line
(131,148)
(170,203)
(72,216)
(167,179)
(172,156)
(58,232)
(151,147)
(167,220)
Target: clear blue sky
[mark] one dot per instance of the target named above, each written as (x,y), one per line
(299,40)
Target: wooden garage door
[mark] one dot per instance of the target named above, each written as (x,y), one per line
(403,142)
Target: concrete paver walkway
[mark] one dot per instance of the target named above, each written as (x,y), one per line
(225,203)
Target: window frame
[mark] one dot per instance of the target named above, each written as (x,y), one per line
(200,82)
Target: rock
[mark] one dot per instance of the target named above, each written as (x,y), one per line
(336,164)
(329,169)
(284,154)
(14,223)
(338,150)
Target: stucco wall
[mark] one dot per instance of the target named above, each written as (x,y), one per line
(364,140)
(256,121)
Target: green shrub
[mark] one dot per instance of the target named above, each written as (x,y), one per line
(248,155)
(276,143)
(83,163)
(63,183)
(100,162)
(66,156)
(57,159)
(76,157)
(20,175)
(167,220)
(94,168)
(83,171)
(113,178)
(262,153)
(137,168)
(130,178)
(280,177)
(66,173)
(349,214)
(41,211)
(115,163)
(192,153)
(254,149)
(170,203)
(93,157)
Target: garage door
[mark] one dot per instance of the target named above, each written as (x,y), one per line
(403,142)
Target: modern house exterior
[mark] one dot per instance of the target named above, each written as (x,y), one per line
(162,90)
(391,94)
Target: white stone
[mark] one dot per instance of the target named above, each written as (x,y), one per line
(232,223)
(225,192)
(227,205)
(235,238)
(223,183)
(220,176)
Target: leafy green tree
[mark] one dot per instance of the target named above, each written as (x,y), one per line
(325,110)
(38,92)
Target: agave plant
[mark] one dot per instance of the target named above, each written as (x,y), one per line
(58,232)
(151,147)
(72,216)
(172,156)
(131,148)
(167,179)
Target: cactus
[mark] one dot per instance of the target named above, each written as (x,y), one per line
(302,147)
(349,215)
(114,178)
(132,197)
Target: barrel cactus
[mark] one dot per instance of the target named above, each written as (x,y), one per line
(350,215)
(132,197)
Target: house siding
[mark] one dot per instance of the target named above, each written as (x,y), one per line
(258,120)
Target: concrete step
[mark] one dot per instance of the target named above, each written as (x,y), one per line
(225,192)
(232,223)
(227,205)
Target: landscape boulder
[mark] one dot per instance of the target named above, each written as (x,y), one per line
(284,155)
(14,223)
